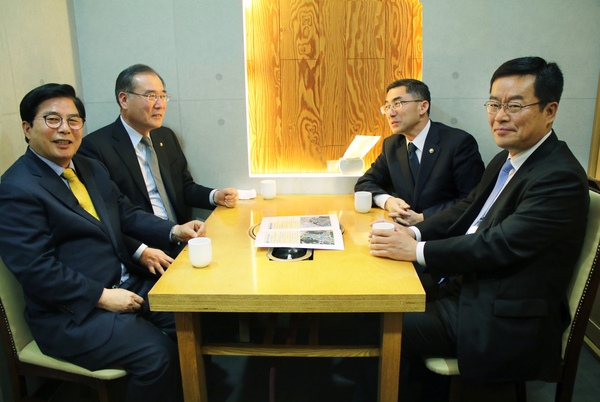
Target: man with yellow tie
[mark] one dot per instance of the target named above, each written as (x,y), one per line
(61,234)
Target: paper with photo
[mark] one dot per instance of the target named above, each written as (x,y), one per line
(308,231)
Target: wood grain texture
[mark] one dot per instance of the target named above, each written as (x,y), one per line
(192,369)
(317,72)
(240,278)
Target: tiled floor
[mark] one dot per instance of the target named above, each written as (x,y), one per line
(243,379)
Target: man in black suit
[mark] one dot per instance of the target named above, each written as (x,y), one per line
(508,258)
(448,163)
(86,301)
(121,147)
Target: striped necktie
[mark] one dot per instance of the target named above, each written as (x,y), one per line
(502,177)
(152,161)
(80,192)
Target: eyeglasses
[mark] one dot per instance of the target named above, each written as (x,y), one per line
(396,105)
(510,108)
(55,121)
(153,97)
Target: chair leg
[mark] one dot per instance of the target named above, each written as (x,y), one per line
(521,389)
(456,387)
(564,391)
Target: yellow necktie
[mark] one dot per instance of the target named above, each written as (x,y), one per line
(80,192)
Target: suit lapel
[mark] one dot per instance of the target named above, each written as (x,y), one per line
(123,147)
(163,163)
(50,181)
(404,167)
(429,155)
(522,174)
(88,179)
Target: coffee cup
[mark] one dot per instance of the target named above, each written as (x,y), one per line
(200,251)
(362,201)
(383,226)
(268,189)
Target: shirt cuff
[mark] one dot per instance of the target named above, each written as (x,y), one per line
(381,199)
(421,253)
(138,253)
(417,232)
(211,198)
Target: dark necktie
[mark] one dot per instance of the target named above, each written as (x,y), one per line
(155,170)
(413,160)
(80,192)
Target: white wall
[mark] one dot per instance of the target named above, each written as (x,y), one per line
(197,46)
(36,47)
(464,41)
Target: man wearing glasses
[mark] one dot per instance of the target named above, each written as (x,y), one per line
(428,166)
(509,248)
(61,235)
(146,161)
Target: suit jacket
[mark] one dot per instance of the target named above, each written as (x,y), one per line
(62,256)
(450,168)
(112,146)
(512,307)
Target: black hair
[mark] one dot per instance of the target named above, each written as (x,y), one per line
(413,87)
(549,81)
(125,79)
(31,102)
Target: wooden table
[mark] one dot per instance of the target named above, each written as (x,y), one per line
(242,279)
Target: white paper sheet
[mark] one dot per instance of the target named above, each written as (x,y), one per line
(309,231)
(361,145)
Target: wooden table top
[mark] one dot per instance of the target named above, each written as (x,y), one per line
(241,278)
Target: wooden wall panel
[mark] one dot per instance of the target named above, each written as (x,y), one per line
(317,72)
(263,86)
(299,29)
(365,29)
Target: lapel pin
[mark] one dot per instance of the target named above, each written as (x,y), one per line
(431,150)
(161,144)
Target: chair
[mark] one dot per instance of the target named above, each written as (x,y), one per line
(581,294)
(25,358)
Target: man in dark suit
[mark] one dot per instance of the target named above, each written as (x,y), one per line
(86,301)
(508,257)
(448,163)
(121,147)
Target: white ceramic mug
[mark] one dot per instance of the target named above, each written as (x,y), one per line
(383,226)
(268,189)
(200,250)
(362,201)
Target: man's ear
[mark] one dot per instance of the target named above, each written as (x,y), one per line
(26,130)
(123,99)
(550,112)
(424,107)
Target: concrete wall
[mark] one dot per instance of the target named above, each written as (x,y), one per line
(37,46)
(197,46)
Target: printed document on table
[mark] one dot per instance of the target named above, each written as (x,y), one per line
(309,231)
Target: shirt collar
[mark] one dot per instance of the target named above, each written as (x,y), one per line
(419,140)
(134,136)
(519,159)
(57,168)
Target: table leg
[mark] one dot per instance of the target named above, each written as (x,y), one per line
(189,339)
(389,359)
